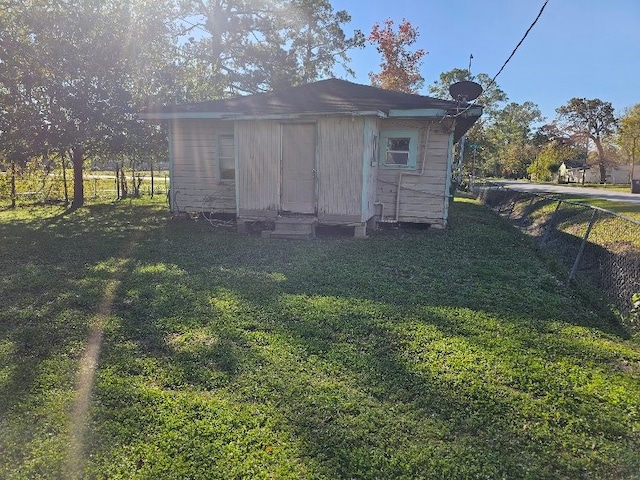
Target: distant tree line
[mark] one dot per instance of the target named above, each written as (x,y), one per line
(515,140)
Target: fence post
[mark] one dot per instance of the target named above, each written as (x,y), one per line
(547,231)
(513,205)
(505,194)
(572,274)
(526,211)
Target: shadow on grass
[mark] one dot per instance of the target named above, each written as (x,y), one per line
(54,274)
(435,353)
(445,355)
(610,260)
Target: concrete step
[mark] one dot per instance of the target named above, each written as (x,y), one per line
(296,223)
(289,234)
(295,227)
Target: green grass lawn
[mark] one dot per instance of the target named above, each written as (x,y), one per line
(621,187)
(134,346)
(628,210)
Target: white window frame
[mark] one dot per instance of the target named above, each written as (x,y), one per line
(220,157)
(386,138)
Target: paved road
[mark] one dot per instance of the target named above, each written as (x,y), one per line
(602,193)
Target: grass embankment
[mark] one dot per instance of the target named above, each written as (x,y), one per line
(611,227)
(625,209)
(411,354)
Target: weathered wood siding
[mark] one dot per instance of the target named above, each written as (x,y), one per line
(194,169)
(339,167)
(370,167)
(258,174)
(350,185)
(423,197)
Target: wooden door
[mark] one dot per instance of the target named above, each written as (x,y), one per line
(298,190)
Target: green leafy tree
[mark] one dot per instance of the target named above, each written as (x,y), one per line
(23,128)
(549,158)
(510,138)
(492,96)
(249,46)
(72,69)
(482,155)
(629,136)
(400,67)
(593,119)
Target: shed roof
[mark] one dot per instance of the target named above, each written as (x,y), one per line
(576,163)
(332,96)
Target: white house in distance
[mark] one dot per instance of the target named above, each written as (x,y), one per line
(330,152)
(576,171)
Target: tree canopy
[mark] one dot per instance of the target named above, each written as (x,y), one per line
(629,136)
(492,95)
(509,137)
(70,74)
(74,74)
(589,118)
(249,46)
(400,67)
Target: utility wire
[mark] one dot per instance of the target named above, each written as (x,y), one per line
(493,80)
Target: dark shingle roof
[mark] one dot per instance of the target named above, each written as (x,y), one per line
(330,96)
(575,163)
(325,96)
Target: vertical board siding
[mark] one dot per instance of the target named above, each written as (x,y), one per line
(370,167)
(298,167)
(194,183)
(259,151)
(345,186)
(339,167)
(422,197)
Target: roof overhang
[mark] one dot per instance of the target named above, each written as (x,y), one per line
(461,121)
(161,116)
(419,112)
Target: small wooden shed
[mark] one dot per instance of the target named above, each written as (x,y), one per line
(330,152)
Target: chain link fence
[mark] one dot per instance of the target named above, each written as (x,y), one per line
(39,188)
(594,244)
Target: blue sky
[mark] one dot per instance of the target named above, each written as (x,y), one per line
(578,48)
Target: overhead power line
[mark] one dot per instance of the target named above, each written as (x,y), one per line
(493,80)
(519,43)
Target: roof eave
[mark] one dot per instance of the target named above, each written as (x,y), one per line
(418,112)
(241,116)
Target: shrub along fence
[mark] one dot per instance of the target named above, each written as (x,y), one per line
(595,245)
(39,187)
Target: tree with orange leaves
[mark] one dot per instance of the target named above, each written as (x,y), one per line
(400,68)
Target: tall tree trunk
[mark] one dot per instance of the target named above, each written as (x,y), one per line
(633,161)
(118,181)
(63,156)
(152,183)
(77,157)
(13,184)
(603,172)
(601,159)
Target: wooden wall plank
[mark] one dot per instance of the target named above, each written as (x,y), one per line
(422,194)
(339,165)
(259,152)
(195,169)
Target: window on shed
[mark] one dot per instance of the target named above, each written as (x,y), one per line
(398,148)
(226,157)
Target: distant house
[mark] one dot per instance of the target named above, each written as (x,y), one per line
(577,171)
(572,171)
(330,152)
